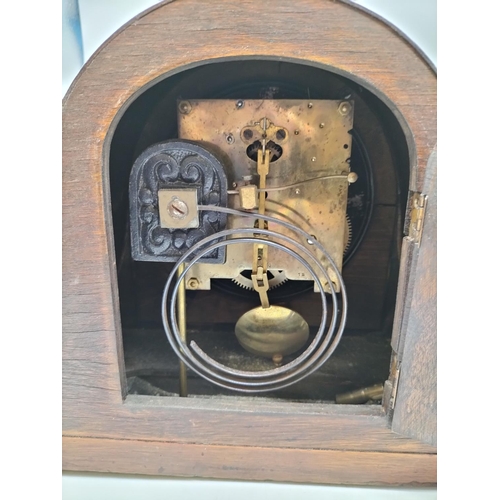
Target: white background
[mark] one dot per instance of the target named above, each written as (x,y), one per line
(468,249)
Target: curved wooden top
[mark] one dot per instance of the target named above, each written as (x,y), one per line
(335,35)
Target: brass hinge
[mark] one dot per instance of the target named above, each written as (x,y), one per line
(417,206)
(394,393)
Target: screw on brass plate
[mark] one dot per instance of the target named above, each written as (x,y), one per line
(313,158)
(297,132)
(297,191)
(230,139)
(344,108)
(310,105)
(240,104)
(185,107)
(321,125)
(193,283)
(177,209)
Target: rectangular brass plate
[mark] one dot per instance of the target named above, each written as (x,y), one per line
(178,208)
(248,197)
(315,141)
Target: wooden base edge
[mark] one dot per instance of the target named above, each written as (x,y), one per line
(248,463)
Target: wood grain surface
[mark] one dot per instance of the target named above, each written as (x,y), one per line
(251,463)
(326,445)
(415,413)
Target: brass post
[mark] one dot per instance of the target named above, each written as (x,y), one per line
(359,396)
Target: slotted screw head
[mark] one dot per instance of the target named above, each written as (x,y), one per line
(177,209)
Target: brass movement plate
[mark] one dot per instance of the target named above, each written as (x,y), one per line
(315,141)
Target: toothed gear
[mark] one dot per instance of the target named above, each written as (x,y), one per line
(347,234)
(275,279)
(275,152)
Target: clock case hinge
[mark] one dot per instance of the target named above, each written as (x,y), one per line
(417,204)
(391,385)
(394,391)
(414,223)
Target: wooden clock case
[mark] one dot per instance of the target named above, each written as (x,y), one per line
(107,430)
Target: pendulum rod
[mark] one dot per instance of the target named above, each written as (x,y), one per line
(259,265)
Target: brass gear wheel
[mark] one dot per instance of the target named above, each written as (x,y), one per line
(277,278)
(275,150)
(347,234)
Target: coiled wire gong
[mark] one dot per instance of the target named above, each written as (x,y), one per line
(325,340)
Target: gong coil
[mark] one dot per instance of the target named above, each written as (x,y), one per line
(322,345)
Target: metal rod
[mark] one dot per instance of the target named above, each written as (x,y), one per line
(181,318)
(259,265)
(375,392)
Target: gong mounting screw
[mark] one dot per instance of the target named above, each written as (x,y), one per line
(177,209)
